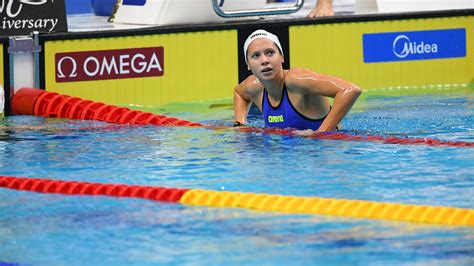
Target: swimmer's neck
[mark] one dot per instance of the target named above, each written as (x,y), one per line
(274,86)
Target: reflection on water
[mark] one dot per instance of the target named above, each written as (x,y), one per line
(46,229)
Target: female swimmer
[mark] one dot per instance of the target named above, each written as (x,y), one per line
(294,98)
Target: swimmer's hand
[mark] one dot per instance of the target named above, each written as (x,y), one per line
(308,132)
(243,127)
(238,124)
(304,133)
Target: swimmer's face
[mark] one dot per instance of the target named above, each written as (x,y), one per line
(264,59)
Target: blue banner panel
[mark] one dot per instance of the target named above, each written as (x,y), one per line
(134,2)
(414,45)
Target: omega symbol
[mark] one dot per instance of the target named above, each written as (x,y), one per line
(60,69)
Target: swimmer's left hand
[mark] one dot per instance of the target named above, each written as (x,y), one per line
(304,133)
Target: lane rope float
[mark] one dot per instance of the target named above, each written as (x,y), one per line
(263,202)
(29,101)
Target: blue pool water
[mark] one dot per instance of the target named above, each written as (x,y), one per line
(50,229)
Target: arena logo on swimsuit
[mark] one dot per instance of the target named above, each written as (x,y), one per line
(109,64)
(276,119)
(414,45)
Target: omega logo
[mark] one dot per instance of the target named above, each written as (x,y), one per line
(109,64)
(73,72)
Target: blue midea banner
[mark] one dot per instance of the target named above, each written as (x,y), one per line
(133,2)
(414,45)
(21,17)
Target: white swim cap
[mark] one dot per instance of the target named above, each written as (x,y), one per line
(260,34)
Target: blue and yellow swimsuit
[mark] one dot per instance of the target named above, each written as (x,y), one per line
(285,114)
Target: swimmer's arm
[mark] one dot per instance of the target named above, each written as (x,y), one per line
(344,93)
(242,104)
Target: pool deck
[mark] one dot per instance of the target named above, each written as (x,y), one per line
(91,22)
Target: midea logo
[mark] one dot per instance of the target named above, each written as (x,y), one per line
(403,47)
(9,6)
